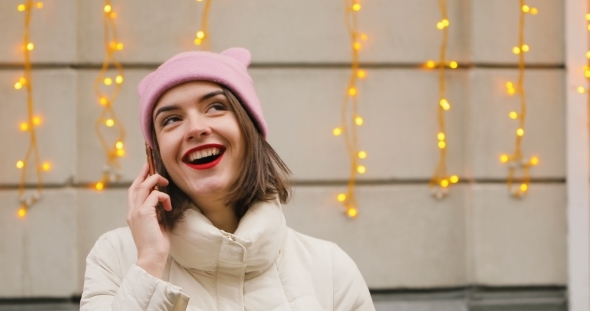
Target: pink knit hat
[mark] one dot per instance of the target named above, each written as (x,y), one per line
(228,68)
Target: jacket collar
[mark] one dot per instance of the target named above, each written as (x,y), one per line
(196,244)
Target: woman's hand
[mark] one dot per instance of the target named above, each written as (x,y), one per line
(151,238)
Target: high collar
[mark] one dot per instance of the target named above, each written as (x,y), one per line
(196,243)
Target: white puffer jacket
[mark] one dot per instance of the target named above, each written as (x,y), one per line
(263,266)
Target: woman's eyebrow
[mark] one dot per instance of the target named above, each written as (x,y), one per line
(164,109)
(209,95)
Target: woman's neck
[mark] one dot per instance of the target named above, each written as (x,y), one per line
(221,216)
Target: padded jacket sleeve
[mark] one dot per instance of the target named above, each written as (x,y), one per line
(350,290)
(110,287)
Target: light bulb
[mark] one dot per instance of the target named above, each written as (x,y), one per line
(581,90)
(341,197)
(525,48)
(356,7)
(200,34)
(361,74)
(526,8)
(513,115)
(21,7)
(535,161)
(37,120)
(121,152)
(110,122)
(362,154)
(504,158)
(119,145)
(454,179)
(337,131)
(516,50)
(441,136)
(30,46)
(103,101)
(24,126)
(120,46)
(453,65)
(352,212)
(119,79)
(523,187)
(46,166)
(430,64)
(442,144)
(361,169)
(99,186)
(20,164)
(445,104)
(359,121)
(198,41)
(22,212)
(357,46)
(107,8)
(520,132)
(39,5)
(352,91)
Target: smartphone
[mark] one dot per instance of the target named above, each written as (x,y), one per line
(152,170)
(150,159)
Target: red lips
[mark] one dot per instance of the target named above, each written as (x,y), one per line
(205,165)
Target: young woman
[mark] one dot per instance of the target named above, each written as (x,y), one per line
(214,237)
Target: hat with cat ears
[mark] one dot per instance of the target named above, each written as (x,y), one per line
(228,68)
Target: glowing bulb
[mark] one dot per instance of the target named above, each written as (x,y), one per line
(22,212)
(362,154)
(113,15)
(356,7)
(534,11)
(21,7)
(430,64)
(121,152)
(525,47)
(364,37)
(24,126)
(103,101)
(442,144)
(198,41)
(588,17)
(36,120)
(504,158)
(352,91)
(454,179)
(444,183)
(361,74)
(108,8)
(39,5)
(119,145)
(587,73)
(120,46)
(445,22)
(20,164)
(441,136)
(357,46)
(18,85)
(535,161)
(440,25)
(108,81)
(526,8)
(516,50)
(581,90)
(523,187)
(453,65)
(352,212)
(99,186)
(119,79)
(110,122)
(445,104)
(30,46)
(337,131)
(46,166)
(341,197)
(513,115)
(520,132)
(200,34)
(361,169)
(359,121)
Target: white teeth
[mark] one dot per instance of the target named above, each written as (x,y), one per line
(203,153)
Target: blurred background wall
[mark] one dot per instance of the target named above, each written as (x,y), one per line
(410,247)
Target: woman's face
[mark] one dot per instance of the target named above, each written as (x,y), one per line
(200,141)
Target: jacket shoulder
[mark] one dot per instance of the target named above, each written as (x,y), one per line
(115,249)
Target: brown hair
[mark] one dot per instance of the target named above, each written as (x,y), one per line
(264,176)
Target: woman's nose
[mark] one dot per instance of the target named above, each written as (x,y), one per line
(197,127)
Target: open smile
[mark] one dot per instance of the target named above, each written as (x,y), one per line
(204,157)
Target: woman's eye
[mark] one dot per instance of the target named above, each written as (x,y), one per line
(217,107)
(170,120)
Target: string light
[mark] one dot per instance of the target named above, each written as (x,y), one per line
(202,36)
(350,117)
(518,186)
(26,82)
(439,183)
(106,93)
